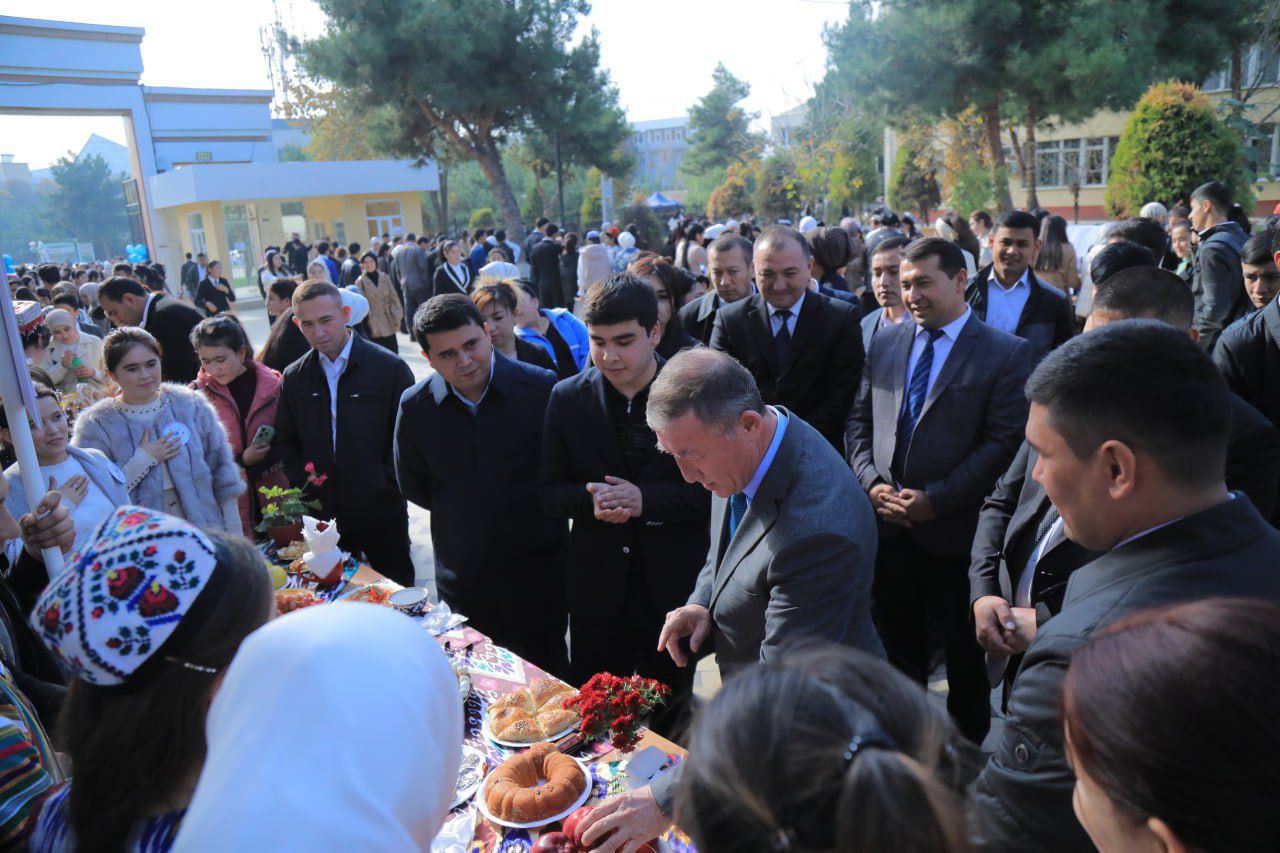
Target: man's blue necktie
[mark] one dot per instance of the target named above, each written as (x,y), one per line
(917,392)
(737,509)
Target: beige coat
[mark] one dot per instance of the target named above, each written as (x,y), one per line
(385,310)
(89,350)
(594,265)
(1067,277)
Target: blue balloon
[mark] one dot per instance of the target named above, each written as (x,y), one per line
(7,260)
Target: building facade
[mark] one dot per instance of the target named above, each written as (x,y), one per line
(204,171)
(658,147)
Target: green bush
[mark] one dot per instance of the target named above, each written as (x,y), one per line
(1172,143)
(482,217)
(915,181)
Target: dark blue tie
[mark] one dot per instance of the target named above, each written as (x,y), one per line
(782,340)
(917,393)
(737,509)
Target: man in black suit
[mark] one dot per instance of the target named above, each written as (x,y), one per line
(639,533)
(544,268)
(168,319)
(1007,295)
(938,417)
(1131,424)
(1022,559)
(534,237)
(804,349)
(1248,354)
(729,265)
(337,410)
(467,445)
(188,276)
(297,253)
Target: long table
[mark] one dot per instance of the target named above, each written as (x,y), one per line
(495,671)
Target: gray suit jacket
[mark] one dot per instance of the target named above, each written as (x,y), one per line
(969,429)
(411,268)
(801,563)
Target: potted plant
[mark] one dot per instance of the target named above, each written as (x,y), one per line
(282,516)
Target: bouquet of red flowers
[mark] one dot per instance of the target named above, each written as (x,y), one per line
(608,703)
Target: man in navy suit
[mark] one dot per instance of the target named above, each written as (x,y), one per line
(1007,295)
(937,419)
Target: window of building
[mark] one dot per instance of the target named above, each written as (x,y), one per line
(293,218)
(319,230)
(1263,150)
(195,231)
(383,216)
(1062,162)
(339,231)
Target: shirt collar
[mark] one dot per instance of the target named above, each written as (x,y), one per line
(887,323)
(763,468)
(146,309)
(1019,283)
(952,329)
(794,309)
(476,405)
(343,356)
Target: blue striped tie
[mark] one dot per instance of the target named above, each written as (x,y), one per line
(917,392)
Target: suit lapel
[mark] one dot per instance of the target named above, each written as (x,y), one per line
(978,301)
(602,426)
(899,359)
(760,331)
(1033,301)
(960,351)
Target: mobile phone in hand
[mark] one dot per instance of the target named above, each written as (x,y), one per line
(265,433)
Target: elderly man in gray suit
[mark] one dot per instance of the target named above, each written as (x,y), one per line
(793,543)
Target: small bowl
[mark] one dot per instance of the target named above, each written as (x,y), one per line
(411,601)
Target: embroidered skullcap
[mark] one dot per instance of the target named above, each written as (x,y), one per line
(125,594)
(30,316)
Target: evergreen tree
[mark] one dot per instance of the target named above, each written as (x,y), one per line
(720,129)
(87,203)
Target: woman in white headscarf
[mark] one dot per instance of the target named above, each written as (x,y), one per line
(377,738)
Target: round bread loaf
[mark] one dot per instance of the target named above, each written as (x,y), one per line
(534,785)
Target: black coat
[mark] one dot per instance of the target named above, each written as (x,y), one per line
(291,345)
(362,478)
(579,446)
(968,432)
(544,272)
(1022,799)
(1249,357)
(297,253)
(823,365)
(535,355)
(443,282)
(699,316)
(1047,319)
(478,477)
(170,322)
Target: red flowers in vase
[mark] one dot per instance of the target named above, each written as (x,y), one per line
(614,707)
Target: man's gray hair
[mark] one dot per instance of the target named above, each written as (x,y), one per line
(711,384)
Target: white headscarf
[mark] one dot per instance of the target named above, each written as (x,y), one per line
(500,270)
(338,727)
(357,302)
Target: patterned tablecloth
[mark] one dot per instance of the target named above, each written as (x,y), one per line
(495,671)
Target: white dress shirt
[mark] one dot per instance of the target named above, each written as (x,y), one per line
(941,349)
(1005,304)
(146,309)
(775,322)
(1052,537)
(333,371)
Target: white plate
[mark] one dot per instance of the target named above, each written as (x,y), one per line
(461,795)
(513,744)
(484,807)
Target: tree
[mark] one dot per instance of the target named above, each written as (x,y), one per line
(336,123)
(720,130)
(482,217)
(21,222)
(1172,143)
(87,203)
(1065,59)
(733,197)
(915,179)
(467,74)
(776,195)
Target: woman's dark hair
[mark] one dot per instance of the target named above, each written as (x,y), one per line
(369,255)
(1053,236)
(981,216)
(965,238)
(136,744)
(694,231)
(491,290)
(673,279)
(223,330)
(525,285)
(43,388)
(1172,712)
(829,749)
(829,246)
(621,297)
(118,342)
(570,243)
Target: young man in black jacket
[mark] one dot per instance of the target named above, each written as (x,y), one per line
(639,533)
(337,411)
(467,445)
(169,320)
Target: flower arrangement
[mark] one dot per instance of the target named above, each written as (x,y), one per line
(614,707)
(284,507)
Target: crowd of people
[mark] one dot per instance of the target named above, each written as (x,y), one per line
(839,458)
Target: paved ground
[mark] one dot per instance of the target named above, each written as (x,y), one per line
(254,316)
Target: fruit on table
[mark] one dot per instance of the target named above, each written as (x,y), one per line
(278,577)
(572,823)
(554,842)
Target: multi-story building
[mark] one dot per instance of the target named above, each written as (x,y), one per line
(782,127)
(658,147)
